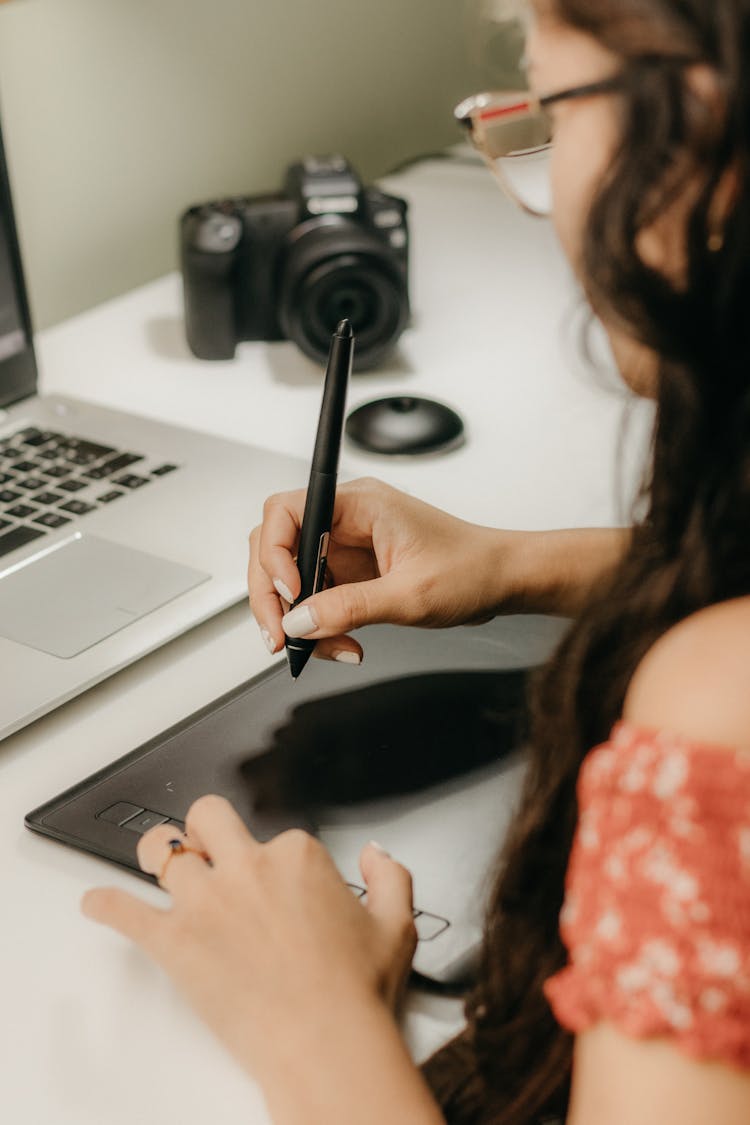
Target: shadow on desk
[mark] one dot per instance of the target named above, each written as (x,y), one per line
(290,367)
(165,336)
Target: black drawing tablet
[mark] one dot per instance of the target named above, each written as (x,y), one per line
(427,710)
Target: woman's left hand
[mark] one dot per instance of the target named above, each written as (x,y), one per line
(260,936)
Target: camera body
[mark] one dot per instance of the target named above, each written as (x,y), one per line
(291,265)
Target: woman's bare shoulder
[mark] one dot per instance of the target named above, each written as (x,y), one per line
(695,680)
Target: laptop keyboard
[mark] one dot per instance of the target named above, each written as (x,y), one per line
(49,479)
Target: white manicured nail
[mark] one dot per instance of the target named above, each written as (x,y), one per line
(268,640)
(284,590)
(345,657)
(379,848)
(299,622)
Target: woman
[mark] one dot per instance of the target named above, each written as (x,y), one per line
(646,704)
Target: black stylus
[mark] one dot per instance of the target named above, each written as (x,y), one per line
(312,552)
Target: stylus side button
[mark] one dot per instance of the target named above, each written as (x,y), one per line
(145,821)
(120,813)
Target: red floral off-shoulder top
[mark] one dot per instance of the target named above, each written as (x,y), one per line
(656,917)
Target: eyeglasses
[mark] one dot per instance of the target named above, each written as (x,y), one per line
(512,131)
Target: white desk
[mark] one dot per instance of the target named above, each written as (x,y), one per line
(91,1032)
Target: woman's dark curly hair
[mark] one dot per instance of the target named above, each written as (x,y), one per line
(689,550)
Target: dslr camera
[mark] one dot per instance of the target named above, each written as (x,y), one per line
(291,265)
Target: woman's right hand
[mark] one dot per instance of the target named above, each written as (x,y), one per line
(391,558)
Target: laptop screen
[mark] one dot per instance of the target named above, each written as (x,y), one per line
(17,366)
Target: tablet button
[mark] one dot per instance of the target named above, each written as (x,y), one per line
(145,821)
(119,813)
(429,926)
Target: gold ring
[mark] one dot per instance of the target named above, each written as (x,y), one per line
(177,847)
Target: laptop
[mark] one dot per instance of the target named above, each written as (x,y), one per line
(421,749)
(117,533)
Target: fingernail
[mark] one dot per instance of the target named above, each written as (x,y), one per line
(299,622)
(268,640)
(284,590)
(345,657)
(379,848)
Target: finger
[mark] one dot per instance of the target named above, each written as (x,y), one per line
(265,605)
(279,534)
(349,564)
(355,505)
(343,649)
(126,914)
(174,870)
(214,821)
(389,894)
(349,606)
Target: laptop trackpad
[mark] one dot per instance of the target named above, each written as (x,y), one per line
(84,590)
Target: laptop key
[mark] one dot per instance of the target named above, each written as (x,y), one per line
(31,484)
(77,507)
(113,465)
(56,471)
(5,523)
(18,537)
(51,519)
(108,497)
(24,466)
(7,496)
(48,498)
(30,436)
(162,470)
(37,437)
(21,511)
(5,477)
(90,449)
(130,480)
(73,485)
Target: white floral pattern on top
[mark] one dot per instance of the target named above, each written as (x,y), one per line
(656,917)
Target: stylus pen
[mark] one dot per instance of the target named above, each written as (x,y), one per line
(312,552)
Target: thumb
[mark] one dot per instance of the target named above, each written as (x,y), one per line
(343,608)
(389,893)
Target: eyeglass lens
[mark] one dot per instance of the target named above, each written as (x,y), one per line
(520,151)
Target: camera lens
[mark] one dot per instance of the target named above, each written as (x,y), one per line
(336,270)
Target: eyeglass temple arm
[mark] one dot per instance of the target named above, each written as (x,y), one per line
(605,86)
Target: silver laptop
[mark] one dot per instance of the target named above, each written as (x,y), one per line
(116,533)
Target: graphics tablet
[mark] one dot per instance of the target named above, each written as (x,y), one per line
(420,748)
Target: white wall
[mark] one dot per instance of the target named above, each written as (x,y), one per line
(119,113)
